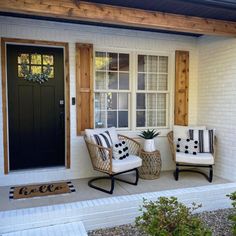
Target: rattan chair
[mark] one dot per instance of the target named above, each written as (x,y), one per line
(192,167)
(107,166)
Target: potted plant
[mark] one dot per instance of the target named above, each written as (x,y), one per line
(148,136)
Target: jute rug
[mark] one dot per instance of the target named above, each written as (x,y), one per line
(40,190)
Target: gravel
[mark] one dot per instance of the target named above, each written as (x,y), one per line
(217,221)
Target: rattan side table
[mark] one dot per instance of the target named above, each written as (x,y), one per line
(151,166)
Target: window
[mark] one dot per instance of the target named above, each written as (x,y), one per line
(151,93)
(116,93)
(112,89)
(35,63)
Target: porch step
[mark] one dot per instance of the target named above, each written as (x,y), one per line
(107,212)
(69,229)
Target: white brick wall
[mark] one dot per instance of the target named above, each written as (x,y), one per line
(100,37)
(217,98)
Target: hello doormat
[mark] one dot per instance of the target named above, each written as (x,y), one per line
(40,190)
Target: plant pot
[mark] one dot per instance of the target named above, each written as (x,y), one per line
(149,145)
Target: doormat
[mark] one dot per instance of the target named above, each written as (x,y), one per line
(41,190)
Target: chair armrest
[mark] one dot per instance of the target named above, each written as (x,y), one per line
(95,153)
(133,145)
(172,145)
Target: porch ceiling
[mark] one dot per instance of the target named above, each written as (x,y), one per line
(152,15)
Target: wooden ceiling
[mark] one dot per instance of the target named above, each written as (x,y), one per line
(117,15)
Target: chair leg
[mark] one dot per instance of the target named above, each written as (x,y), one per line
(208,177)
(128,182)
(176,173)
(210,174)
(111,177)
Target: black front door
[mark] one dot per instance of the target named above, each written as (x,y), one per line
(35,111)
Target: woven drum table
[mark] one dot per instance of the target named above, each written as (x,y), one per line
(151,166)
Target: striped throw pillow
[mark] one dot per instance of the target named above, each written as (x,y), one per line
(104,140)
(205,139)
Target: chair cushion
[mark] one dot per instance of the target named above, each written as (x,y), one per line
(128,163)
(200,158)
(205,139)
(187,146)
(112,131)
(183,131)
(120,150)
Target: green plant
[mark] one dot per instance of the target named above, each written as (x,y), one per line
(232,217)
(149,134)
(168,217)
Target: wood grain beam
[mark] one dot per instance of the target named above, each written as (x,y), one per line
(84,11)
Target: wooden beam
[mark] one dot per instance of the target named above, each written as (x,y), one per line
(84,11)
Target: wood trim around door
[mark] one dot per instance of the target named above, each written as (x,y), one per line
(28,42)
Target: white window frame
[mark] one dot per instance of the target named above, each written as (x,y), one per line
(133,72)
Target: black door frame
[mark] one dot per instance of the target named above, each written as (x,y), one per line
(26,42)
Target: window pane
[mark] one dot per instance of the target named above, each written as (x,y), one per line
(111,101)
(161,118)
(51,75)
(142,81)
(100,101)
(113,80)
(161,101)
(47,59)
(140,101)
(151,118)
(152,82)
(36,69)
(20,71)
(100,119)
(124,81)
(162,82)
(142,63)
(101,61)
(152,64)
(163,64)
(151,101)
(111,118)
(100,80)
(140,118)
(113,61)
(123,119)
(36,59)
(123,101)
(23,58)
(124,62)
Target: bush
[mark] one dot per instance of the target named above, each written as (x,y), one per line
(168,217)
(232,217)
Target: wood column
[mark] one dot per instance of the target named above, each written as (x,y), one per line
(181,87)
(84,87)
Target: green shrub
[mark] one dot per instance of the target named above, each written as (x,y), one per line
(168,217)
(232,217)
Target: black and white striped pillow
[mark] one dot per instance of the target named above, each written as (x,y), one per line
(104,140)
(205,139)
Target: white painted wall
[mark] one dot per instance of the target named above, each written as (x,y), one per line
(100,37)
(217,98)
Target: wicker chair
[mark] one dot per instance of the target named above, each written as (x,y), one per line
(108,166)
(195,166)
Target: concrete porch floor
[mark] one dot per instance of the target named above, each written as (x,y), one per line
(84,192)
